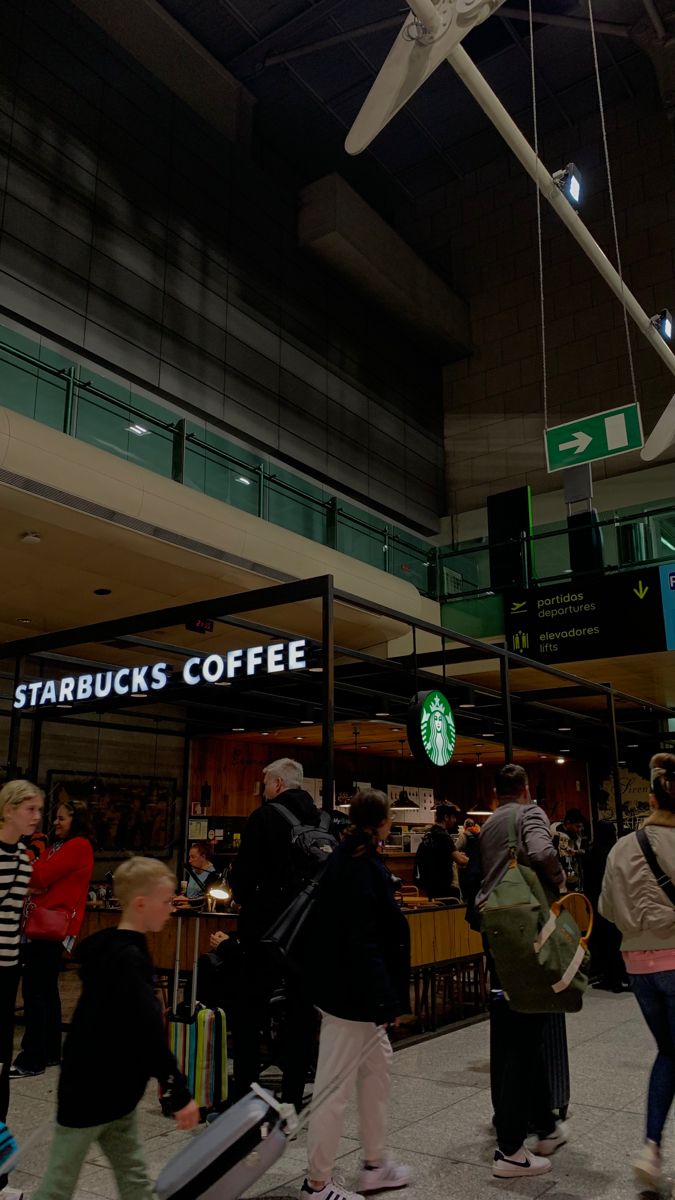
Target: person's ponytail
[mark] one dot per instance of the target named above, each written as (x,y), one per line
(662,767)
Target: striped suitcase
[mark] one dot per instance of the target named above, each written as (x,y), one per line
(198,1037)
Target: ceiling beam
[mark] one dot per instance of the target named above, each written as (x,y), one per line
(268,53)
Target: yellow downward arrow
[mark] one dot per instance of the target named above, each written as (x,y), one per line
(641,590)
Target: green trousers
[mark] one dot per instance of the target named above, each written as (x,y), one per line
(118,1141)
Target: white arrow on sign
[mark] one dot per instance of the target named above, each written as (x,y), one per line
(580,441)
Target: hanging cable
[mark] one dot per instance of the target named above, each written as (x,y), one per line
(611,199)
(539,231)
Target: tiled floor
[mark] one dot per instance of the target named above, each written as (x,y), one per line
(439,1118)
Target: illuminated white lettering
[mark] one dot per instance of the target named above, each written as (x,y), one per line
(20,696)
(33,689)
(254,656)
(103,684)
(84,688)
(121,681)
(296,655)
(138,681)
(234,661)
(49,692)
(189,675)
(275,657)
(213,668)
(66,689)
(159,676)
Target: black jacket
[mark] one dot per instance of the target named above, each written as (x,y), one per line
(263,878)
(359,951)
(438,863)
(117,1040)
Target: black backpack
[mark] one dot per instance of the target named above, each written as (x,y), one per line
(425,864)
(311,845)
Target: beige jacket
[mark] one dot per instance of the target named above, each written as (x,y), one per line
(632,898)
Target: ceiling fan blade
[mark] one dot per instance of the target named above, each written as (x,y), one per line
(662,435)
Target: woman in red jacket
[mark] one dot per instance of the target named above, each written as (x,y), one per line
(60,881)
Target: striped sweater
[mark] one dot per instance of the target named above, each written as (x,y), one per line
(15,873)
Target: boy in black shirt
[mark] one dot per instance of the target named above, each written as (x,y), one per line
(117,1043)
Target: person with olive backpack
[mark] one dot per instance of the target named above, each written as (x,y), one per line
(520,1083)
(638,895)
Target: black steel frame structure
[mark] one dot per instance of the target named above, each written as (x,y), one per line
(414,670)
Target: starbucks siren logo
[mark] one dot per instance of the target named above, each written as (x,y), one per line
(438,728)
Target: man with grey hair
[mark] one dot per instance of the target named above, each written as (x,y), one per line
(264,880)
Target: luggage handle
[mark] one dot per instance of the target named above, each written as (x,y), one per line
(176,966)
(564,902)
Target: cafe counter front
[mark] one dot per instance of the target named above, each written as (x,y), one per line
(447,967)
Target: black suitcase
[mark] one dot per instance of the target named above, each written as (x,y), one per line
(557,1063)
(554,1049)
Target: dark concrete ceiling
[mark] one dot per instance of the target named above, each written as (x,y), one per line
(309,92)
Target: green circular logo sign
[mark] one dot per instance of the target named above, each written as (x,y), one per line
(437,727)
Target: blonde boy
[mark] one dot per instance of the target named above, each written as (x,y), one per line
(116,1044)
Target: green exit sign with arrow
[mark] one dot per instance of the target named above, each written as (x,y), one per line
(589,438)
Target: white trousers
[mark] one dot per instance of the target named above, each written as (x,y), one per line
(344,1055)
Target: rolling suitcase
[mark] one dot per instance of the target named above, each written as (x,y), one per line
(198,1036)
(557,1063)
(238,1147)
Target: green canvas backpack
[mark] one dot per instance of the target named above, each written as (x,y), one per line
(539,954)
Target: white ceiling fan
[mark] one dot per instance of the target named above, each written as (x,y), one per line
(433,33)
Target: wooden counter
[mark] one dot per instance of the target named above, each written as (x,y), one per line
(438,935)
(162,946)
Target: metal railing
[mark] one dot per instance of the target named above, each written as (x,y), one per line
(151,434)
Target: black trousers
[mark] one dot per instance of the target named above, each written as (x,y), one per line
(41,1042)
(251,1010)
(9,982)
(520,1087)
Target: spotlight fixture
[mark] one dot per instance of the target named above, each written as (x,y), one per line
(381,708)
(307,717)
(633,745)
(663,324)
(560,761)
(264,733)
(24,621)
(470,701)
(243,479)
(479,763)
(139,430)
(564,729)
(569,182)
(487,735)
(238,729)
(31,538)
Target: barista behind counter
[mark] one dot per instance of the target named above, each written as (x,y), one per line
(200,871)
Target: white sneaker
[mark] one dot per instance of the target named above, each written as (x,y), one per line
(523,1162)
(382,1179)
(330,1191)
(647,1167)
(548,1145)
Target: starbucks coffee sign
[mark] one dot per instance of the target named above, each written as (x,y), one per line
(431,728)
(151,680)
